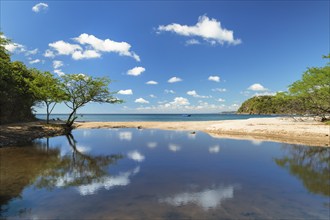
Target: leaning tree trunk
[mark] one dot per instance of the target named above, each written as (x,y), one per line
(71,119)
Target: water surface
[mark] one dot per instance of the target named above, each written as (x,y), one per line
(154,117)
(149,174)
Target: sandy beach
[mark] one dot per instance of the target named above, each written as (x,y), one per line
(287,130)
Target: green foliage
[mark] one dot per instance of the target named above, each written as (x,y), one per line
(314,91)
(47,89)
(281,103)
(310,95)
(16,99)
(81,89)
(22,88)
(259,105)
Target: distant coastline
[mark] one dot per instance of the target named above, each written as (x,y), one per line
(156,117)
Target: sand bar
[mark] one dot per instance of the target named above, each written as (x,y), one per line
(287,130)
(308,132)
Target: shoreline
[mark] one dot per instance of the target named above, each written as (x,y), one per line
(16,134)
(286,130)
(281,129)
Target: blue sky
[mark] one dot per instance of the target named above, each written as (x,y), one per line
(200,56)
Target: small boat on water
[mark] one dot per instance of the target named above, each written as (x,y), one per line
(186,115)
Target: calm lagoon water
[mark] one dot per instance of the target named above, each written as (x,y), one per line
(150,174)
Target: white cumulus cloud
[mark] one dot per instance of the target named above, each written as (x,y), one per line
(57,64)
(257,87)
(174,79)
(208,29)
(214,78)
(221,100)
(179,101)
(107,45)
(31,52)
(125,92)
(15,48)
(89,47)
(151,82)
(141,100)
(87,54)
(49,53)
(192,42)
(193,93)
(35,61)
(64,48)
(136,71)
(39,7)
(59,72)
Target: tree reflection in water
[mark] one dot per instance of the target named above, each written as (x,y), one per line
(310,164)
(44,167)
(21,166)
(76,169)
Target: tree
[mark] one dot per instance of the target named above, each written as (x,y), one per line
(313,90)
(16,99)
(82,89)
(47,89)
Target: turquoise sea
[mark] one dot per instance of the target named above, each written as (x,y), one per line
(154,117)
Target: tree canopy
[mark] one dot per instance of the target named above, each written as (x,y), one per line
(308,96)
(47,90)
(16,99)
(313,89)
(81,89)
(22,88)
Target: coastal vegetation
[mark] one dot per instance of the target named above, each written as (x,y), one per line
(16,97)
(22,88)
(81,89)
(48,90)
(308,96)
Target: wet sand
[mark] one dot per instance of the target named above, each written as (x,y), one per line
(287,130)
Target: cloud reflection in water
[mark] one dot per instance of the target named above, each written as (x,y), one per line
(123,179)
(152,144)
(125,135)
(136,155)
(214,149)
(206,199)
(174,147)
